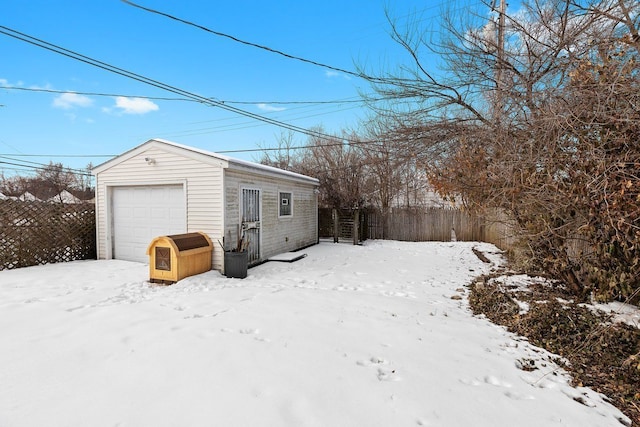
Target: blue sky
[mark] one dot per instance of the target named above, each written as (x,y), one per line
(75,129)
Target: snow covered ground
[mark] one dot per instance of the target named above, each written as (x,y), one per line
(348,336)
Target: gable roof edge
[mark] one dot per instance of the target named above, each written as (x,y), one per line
(236,164)
(155,141)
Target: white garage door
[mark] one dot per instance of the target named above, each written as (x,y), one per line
(139,214)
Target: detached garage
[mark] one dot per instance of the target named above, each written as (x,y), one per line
(162,188)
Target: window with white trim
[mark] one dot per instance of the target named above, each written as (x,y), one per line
(286,204)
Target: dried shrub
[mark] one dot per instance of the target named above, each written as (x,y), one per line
(602,355)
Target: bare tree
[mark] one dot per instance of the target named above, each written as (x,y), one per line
(340,169)
(52,180)
(528,108)
(336,163)
(286,156)
(49,182)
(382,161)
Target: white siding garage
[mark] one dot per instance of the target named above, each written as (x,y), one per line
(161,188)
(141,213)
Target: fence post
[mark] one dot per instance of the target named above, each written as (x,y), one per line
(364,225)
(336,225)
(356,222)
(386,221)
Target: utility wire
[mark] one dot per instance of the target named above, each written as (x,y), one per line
(169,88)
(15,169)
(57,155)
(159,98)
(409,83)
(241,125)
(37,165)
(33,89)
(34,168)
(198,131)
(195,97)
(259,46)
(337,101)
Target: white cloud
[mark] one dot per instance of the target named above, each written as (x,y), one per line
(70,100)
(46,87)
(5,82)
(267,107)
(335,74)
(135,105)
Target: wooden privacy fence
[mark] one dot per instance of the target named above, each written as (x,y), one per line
(415,225)
(33,233)
(434,224)
(425,224)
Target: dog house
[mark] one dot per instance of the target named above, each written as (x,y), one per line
(172,258)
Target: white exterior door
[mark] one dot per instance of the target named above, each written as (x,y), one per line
(141,213)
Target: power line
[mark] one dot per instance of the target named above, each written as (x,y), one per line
(259,46)
(409,83)
(286,112)
(57,155)
(338,143)
(155,98)
(116,70)
(159,98)
(32,169)
(337,101)
(37,165)
(10,146)
(241,125)
(169,88)
(235,126)
(17,169)
(266,48)
(2,162)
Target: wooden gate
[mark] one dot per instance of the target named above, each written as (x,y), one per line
(343,225)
